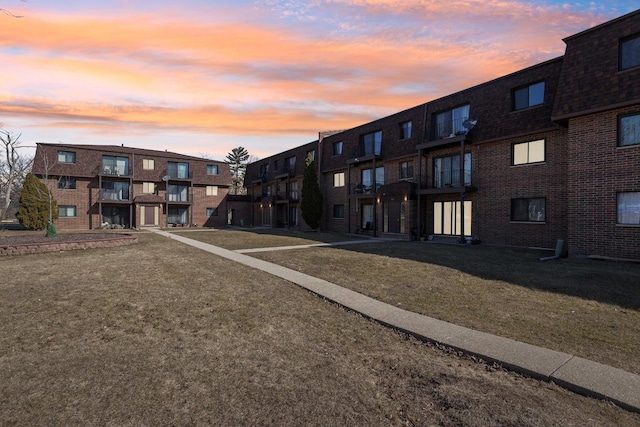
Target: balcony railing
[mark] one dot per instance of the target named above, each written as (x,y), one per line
(178,198)
(451,128)
(115,195)
(366,188)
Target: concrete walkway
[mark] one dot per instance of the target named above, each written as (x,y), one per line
(574,373)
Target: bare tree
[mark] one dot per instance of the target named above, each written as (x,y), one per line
(13,169)
(6,12)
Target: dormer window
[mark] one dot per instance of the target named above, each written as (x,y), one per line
(449,123)
(629,52)
(528,96)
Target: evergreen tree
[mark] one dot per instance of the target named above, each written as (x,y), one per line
(311,203)
(237,160)
(37,205)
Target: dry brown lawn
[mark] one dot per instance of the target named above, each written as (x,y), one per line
(159,333)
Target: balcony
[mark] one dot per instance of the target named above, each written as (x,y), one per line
(178,175)
(114,196)
(178,198)
(365,190)
(115,171)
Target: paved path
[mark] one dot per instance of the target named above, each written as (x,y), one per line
(574,373)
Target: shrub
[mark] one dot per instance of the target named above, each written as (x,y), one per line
(35,202)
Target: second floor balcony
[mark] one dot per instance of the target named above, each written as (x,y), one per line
(114,195)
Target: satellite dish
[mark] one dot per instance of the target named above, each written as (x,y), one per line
(469,124)
(166,178)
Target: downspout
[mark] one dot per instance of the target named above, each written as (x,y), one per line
(420,154)
(462,192)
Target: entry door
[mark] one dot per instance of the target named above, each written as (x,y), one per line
(393,216)
(150,215)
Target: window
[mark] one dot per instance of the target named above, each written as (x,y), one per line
(212,169)
(293,190)
(112,190)
(629,130)
(446,171)
(266,191)
(528,152)
(264,170)
(367,178)
(338,179)
(66,183)
(406,169)
(148,187)
(338,211)
(629,52)
(178,170)
(528,210)
(66,156)
(447,216)
(148,164)
(371,143)
(178,193)
(367,216)
(275,165)
(528,96)
(312,153)
(629,208)
(212,190)
(177,215)
(337,148)
(449,123)
(66,211)
(212,212)
(405,130)
(291,164)
(113,165)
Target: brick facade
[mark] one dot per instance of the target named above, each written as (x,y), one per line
(133,194)
(568,192)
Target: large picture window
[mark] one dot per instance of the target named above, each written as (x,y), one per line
(447,218)
(629,208)
(629,130)
(528,96)
(446,171)
(528,209)
(528,152)
(629,52)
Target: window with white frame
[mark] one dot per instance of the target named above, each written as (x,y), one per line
(337,148)
(148,164)
(528,96)
(528,209)
(629,52)
(629,130)
(338,179)
(212,190)
(629,208)
(528,152)
(66,211)
(148,187)
(66,156)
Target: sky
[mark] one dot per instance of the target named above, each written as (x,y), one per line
(202,77)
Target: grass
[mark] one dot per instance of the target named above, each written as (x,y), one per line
(578,306)
(159,333)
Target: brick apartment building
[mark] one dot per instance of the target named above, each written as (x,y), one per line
(546,153)
(96,185)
